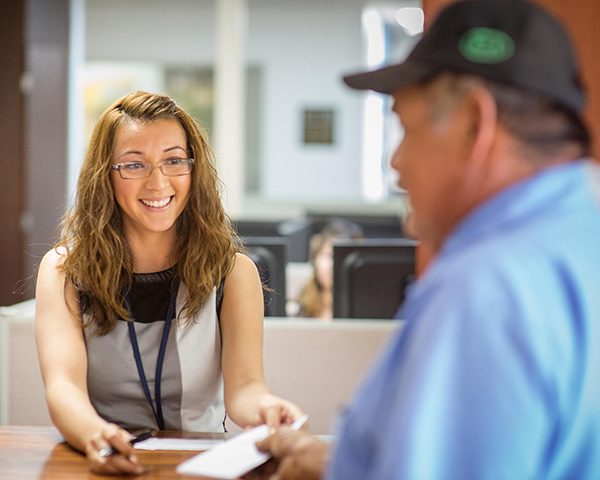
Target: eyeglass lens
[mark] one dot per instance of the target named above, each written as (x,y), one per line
(169,168)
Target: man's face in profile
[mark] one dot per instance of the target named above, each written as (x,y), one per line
(430,160)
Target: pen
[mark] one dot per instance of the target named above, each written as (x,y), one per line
(108,451)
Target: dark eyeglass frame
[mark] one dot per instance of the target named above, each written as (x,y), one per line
(160,165)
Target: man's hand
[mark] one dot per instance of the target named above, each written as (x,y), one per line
(300,455)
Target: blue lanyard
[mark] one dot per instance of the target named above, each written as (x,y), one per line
(158,415)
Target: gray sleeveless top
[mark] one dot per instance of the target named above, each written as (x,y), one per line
(191,381)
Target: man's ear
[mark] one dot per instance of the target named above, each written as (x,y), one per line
(484,115)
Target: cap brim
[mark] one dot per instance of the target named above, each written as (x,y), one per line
(390,79)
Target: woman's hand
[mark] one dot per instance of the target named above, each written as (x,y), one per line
(275,411)
(124,462)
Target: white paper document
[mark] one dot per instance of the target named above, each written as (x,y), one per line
(234,457)
(231,459)
(189,444)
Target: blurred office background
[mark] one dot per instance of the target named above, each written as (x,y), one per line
(262,76)
(292,143)
(294,147)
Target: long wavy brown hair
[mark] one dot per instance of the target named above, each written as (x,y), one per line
(98,259)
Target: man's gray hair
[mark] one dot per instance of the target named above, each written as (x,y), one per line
(541,127)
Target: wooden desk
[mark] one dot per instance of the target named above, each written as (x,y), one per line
(32,453)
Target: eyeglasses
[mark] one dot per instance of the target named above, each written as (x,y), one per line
(172,167)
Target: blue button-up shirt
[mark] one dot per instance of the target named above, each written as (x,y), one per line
(496,374)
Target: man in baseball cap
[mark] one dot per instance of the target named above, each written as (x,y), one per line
(496,373)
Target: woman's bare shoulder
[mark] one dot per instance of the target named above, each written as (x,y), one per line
(53,259)
(243,261)
(243,267)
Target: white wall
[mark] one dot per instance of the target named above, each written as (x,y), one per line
(302,47)
(170,32)
(304,51)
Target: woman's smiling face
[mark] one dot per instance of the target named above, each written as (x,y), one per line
(150,205)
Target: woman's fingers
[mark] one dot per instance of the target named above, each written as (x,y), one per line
(123,461)
(272,417)
(114,464)
(292,413)
(275,411)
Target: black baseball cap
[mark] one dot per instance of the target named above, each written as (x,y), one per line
(508,41)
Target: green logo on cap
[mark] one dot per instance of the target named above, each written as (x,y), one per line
(486,45)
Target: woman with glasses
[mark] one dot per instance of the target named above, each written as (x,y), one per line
(147,314)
